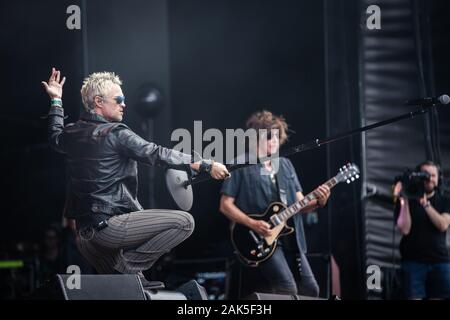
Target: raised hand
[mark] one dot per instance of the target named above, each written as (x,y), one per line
(54,85)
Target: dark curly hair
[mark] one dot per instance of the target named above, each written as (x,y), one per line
(267,120)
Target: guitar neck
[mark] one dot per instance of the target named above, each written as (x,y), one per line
(299,205)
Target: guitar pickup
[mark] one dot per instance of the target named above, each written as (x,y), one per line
(275,220)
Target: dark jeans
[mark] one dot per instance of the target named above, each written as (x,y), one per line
(426,280)
(277,271)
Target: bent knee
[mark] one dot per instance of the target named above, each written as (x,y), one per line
(186,221)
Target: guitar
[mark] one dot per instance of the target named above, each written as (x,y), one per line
(252,248)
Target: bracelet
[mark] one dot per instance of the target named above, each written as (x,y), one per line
(427,205)
(56,102)
(206,166)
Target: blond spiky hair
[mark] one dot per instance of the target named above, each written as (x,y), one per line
(97,84)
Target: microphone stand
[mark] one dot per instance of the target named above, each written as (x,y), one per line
(320,142)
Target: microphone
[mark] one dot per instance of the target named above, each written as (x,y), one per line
(431,101)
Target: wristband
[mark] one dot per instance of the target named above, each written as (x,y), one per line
(206,166)
(56,102)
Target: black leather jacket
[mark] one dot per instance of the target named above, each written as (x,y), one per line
(102,167)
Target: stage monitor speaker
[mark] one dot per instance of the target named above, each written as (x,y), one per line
(273,296)
(92,287)
(193,291)
(164,295)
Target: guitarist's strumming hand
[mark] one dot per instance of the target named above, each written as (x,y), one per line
(261,227)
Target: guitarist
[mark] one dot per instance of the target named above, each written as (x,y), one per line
(250,190)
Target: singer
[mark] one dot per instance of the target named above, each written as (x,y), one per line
(117,234)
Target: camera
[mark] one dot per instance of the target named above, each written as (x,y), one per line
(413,183)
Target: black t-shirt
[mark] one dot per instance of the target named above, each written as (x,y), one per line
(425,243)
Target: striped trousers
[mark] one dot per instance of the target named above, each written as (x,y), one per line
(133,242)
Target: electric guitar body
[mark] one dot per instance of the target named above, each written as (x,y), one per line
(253,248)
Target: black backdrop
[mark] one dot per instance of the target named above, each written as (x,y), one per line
(229,59)
(215,61)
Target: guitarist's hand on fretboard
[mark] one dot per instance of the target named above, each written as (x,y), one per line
(322,193)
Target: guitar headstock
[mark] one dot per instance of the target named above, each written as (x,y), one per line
(348,173)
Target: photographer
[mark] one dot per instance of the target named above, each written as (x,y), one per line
(423,221)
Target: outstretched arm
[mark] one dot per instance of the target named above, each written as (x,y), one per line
(54,88)
(132,145)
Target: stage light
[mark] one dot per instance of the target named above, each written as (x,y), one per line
(149,100)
